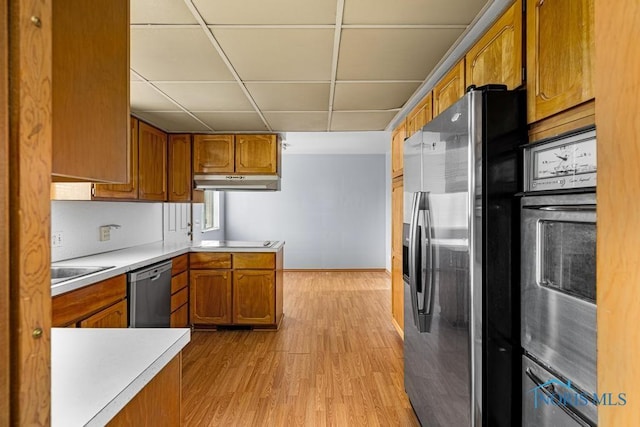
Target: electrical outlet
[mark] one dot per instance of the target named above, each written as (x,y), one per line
(56,239)
(105,233)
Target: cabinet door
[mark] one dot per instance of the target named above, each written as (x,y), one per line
(213,154)
(210,297)
(560,55)
(111,317)
(421,115)
(254,297)
(152,163)
(497,57)
(257,154)
(397,291)
(180,317)
(449,89)
(397,149)
(179,168)
(129,190)
(396,215)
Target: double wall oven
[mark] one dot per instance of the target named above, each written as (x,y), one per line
(558,286)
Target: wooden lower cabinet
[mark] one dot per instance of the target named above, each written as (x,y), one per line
(210,296)
(253,297)
(180,317)
(397,293)
(111,317)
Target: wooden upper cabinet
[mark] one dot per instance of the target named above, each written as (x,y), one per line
(257,154)
(560,55)
(90,90)
(420,115)
(152,163)
(497,57)
(210,296)
(254,297)
(397,149)
(449,89)
(213,154)
(129,190)
(179,173)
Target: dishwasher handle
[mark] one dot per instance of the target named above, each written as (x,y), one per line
(152,272)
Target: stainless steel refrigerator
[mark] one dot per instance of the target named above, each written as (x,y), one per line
(461,231)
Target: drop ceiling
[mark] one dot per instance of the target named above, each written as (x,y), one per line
(286,65)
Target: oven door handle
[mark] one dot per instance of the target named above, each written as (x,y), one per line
(564,208)
(550,392)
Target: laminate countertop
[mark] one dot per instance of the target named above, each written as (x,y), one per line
(96,372)
(125,260)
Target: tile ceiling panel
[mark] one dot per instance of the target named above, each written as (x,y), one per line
(133,77)
(302,121)
(278,54)
(145,98)
(204,96)
(233,122)
(290,96)
(372,96)
(160,12)
(267,12)
(175,54)
(173,122)
(411,11)
(392,54)
(377,120)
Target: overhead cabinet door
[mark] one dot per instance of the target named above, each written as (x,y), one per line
(213,154)
(152,163)
(256,154)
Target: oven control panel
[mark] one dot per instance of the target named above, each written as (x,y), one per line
(561,163)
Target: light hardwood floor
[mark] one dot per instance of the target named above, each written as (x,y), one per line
(336,361)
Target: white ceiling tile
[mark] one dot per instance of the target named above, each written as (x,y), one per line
(204,96)
(411,11)
(267,12)
(175,54)
(278,54)
(298,121)
(133,76)
(172,121)
(145,98)
(346,120)
(392,54)
(290,96)
(160,12)
(372,96)
(233,122)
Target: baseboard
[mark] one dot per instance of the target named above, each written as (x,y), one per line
(398,328)
(336,270)
(388,273)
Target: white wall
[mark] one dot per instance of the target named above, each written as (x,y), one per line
(330,212)
(140,223)
(387,210)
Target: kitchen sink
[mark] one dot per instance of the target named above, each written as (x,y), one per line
(61,274)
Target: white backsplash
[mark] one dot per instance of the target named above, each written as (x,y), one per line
(79,222)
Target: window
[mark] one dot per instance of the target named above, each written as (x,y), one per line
(211,211)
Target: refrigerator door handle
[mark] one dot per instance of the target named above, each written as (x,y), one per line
(414,261)
(421,272)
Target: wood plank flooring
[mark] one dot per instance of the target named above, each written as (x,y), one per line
(336,361)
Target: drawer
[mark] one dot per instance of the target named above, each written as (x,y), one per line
(179,299)
(178,282)
(206,260)
(180,317)
(249,260)
(76,305)
(111,317)
(179,264)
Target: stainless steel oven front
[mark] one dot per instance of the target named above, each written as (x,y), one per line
(559,284)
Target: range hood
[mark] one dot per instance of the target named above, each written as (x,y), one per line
(237,182)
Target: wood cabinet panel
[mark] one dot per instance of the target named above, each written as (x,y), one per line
(397,205)
(179,264)
(420,115)
(180,317)
(130,189)
(256,154)
(210,296)
(179,299)
(152,163)
(90,93)
(397,283)
(179,281)
(81,303)
(159,403)
(560,55)
(203,260)
(397,150)
(397,291)
(213,154)
(179,173)
(449,89)
(253,297)
(497,57)
(111,317)
(247,260)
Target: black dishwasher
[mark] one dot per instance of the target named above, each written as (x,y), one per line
(149,296)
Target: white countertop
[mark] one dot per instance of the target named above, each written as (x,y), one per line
(129,259)
(96,372)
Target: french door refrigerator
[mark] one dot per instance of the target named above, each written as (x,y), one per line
(461,293)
